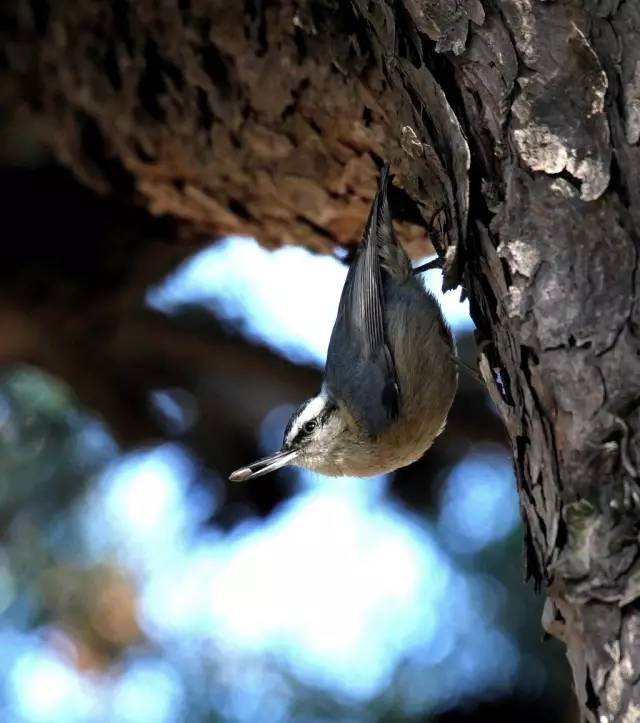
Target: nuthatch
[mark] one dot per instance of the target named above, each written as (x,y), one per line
(390,375)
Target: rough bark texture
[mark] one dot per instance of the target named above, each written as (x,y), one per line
(519,119)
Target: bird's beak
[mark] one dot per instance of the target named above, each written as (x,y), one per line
(265,465)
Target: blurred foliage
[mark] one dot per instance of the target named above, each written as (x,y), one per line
(59,597)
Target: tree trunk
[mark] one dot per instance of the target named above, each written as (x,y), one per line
(515,123)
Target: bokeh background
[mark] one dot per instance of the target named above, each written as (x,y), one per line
(137,585)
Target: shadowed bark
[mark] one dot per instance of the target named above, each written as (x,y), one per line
(518,121)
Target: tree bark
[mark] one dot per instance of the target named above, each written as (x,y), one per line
(515,123)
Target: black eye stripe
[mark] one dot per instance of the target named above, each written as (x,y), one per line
(306,429)
(304,432)
(292,421)
(326,412)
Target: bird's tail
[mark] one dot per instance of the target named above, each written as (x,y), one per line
(380,212)
(384,179)
(380,215)
(379,232)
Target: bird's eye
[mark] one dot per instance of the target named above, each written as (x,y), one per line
(310,426)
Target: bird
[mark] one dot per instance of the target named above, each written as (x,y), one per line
(391,371)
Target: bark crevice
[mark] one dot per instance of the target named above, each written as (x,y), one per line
(515,125)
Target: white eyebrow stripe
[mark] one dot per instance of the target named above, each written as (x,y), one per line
(309,412)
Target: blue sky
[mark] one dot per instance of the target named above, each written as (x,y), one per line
(338,586)
(286,299)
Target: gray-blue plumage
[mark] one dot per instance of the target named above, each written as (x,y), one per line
(390,376)
(360,371)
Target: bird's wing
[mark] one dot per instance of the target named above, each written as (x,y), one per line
(360,371)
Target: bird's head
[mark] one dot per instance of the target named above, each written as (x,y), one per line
(311,440)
